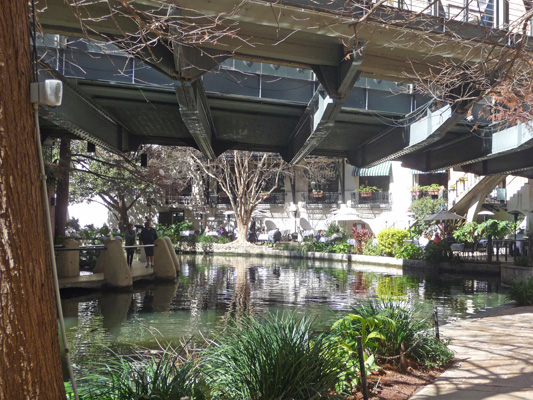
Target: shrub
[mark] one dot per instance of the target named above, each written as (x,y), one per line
(466,232)
(273,359)
(391,239)
(163,377)
(361,237)
(372,249)
(410,252)
(435,253)
(521,292)
(343,339)
(415,333)
(341,248)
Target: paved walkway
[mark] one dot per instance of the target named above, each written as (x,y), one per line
(494,354)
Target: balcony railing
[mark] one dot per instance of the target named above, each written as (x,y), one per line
(321,198)
(378,199)
(274,198)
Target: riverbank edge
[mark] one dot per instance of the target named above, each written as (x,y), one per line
(263,251)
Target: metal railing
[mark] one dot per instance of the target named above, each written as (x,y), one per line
(374,198)
(321,198)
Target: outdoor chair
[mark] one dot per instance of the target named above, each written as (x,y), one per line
(468,249)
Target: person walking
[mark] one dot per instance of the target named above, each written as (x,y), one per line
(148,236)
(131,238)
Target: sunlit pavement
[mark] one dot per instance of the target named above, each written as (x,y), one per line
(494,358)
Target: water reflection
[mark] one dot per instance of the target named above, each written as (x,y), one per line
(212,289)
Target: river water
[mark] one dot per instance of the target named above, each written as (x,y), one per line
(213,289)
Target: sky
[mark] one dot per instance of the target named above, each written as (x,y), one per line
(92,213)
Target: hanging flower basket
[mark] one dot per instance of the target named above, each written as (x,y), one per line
(365,194)
(317,194)
(416,192)
(433,192)
(222,194)
(264,195)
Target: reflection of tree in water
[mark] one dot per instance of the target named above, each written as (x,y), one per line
(241,304)
(394,286)
(360,286)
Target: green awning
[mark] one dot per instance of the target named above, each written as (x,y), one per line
(417,172)
(382,169)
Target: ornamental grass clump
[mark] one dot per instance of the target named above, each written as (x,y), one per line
(521,292)
(278,358)
(162,377)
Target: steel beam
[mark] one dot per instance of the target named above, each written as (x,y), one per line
(196,115)
(457,152)
(398,141)
(313,127)
(512,151)
(322,110)
(339,81)
(82,117)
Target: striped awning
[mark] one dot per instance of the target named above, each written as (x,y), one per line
(382,169)
(417,172)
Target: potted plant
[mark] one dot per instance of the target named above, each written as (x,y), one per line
(416,190)
(317,193)
(366,191)
(433,189)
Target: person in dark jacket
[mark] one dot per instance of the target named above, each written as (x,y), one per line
(277,236)
(148,236)
(131,238)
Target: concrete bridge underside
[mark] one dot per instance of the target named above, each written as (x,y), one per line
(336,118)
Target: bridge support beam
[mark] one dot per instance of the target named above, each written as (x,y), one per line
(512,150)
(338,81)
(322,110)
(196,115)
(450,154)
(80,116)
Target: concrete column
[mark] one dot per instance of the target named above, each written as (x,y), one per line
(68,262)
(116,270)
(172,253)
(164,268)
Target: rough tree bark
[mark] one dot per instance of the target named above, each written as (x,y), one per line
(29,348)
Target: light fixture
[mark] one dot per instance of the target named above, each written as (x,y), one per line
(144,160)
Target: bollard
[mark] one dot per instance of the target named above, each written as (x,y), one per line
(362,366)
(68,262)
(436,317)
(116,270)
(164,268)
(172,253)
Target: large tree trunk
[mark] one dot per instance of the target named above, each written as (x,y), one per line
(62,188)
(29,348)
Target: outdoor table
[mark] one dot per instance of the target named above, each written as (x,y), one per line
(263,237)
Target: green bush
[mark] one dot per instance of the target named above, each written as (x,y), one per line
(521,292)
(372,249)
(392,239)
(341,248)
(435,253)
(273,359)
(162,377)
(466,232)
(405,327)
(410,252)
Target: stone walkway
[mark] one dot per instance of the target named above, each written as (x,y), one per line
(494,358)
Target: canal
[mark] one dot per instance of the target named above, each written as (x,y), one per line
(213,289)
